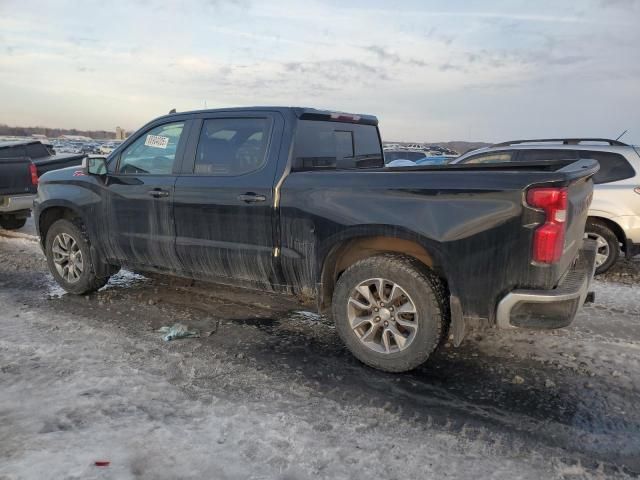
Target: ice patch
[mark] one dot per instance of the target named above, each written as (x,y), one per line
(124,279)
(310,318)
(53,289)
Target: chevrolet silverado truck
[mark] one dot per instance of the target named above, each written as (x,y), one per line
(18,184)
(298,201)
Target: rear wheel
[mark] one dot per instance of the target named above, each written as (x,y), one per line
(390,312)
(69,258)
(608,245)
(12,222)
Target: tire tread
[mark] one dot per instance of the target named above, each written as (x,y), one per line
(435,290)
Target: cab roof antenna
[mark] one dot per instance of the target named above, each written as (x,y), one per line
(621,135)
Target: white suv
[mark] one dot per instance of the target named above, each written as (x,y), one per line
(614,216)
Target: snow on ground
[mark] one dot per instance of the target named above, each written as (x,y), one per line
(71,396)
(271,392)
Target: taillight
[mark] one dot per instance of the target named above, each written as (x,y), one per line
(637,190)
(548,239)
(34,174)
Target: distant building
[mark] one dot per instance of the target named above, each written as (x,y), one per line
(120,133)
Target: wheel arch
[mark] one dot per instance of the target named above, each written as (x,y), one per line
(613,226)
(347,251)
(50,213)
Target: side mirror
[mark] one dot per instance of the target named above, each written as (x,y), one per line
(95,165)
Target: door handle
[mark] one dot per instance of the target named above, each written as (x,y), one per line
(251,197)
(158,193)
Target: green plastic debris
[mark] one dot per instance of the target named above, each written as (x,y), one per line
(176,331)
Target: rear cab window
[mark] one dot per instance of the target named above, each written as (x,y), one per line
(37,150)
(336,145)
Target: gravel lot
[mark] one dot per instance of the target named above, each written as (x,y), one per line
(268,391)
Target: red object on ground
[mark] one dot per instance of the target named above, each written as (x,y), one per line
(102,463)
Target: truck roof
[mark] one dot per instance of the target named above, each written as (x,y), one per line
(303,113)
(17,143)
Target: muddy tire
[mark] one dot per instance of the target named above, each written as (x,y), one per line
(12,223)
(608,245)
(69,258)
(390,311)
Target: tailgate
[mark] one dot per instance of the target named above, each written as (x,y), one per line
(579,195)
(15,176)
(576,178)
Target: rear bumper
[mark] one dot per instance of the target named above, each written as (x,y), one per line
(548,309)
(16,203)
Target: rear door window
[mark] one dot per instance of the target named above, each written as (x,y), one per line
(331,145)
(613,166)
(232,146)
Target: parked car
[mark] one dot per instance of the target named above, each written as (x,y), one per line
(435,160)
(18,184)
(403,154)
(43,156)
(416,157)
(298,201)
(614,215)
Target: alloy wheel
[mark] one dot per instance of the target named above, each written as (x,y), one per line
(602,250)
(67,257)
(382,315)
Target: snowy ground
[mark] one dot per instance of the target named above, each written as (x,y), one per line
(268,391)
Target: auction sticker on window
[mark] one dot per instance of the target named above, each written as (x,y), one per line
(156,141)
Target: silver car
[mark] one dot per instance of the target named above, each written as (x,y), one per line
(614,216)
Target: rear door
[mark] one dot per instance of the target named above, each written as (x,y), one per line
(225,195)
(140,198)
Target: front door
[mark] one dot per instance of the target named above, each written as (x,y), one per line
(140,207)
(224,199)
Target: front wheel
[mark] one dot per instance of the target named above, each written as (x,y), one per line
(12,222)
(390,311)
(69,258)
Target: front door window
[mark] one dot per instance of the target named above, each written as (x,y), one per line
(154,152)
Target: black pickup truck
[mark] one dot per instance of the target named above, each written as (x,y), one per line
(43,156)
(298,201)
(18,184)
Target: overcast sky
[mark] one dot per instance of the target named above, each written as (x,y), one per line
(430,70)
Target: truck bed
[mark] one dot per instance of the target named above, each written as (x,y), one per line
(473,220)
(55,162)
